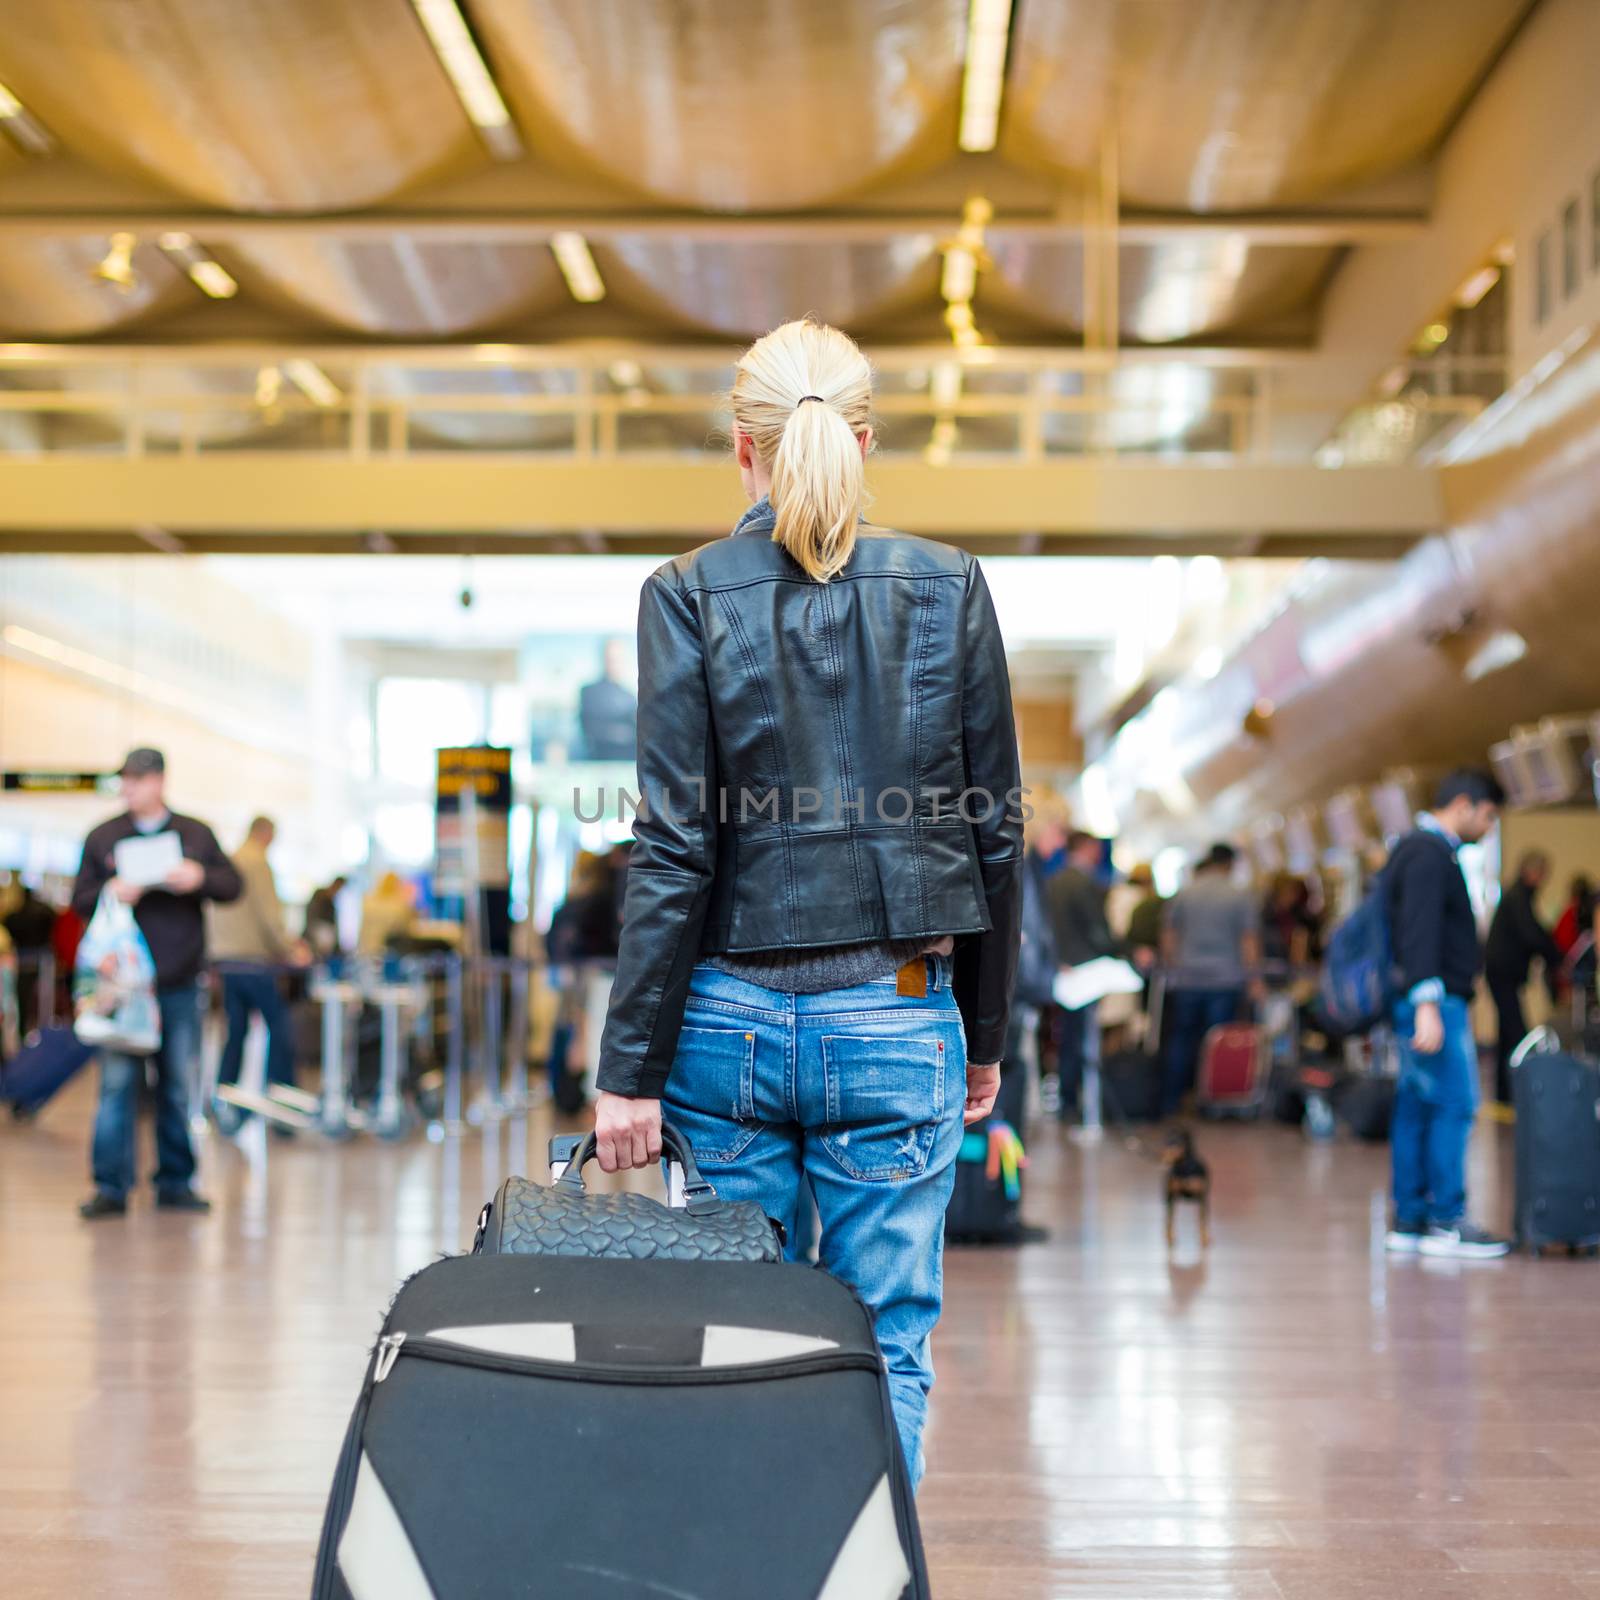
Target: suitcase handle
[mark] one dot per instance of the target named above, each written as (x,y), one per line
(699,1197)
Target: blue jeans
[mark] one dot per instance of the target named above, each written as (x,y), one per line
(1190,1014)
(859,1092)
(112,1155)
(248,987)
(1434,1104)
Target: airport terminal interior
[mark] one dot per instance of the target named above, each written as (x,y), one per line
(360,361)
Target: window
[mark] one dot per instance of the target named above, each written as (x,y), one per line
(1569,250)
(1541,280)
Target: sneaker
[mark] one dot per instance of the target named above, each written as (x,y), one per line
(101,1204)
(181,1200)
(1464,1241)
(1404,1238)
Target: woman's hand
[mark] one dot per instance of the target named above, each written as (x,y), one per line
(983,1084)
(627,1132)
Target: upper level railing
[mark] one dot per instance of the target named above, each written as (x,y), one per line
(599,401)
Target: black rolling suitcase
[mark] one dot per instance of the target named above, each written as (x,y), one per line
(1557,1097)
(585,1429)
(986,1202)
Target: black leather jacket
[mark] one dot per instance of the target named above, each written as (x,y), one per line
(819,764)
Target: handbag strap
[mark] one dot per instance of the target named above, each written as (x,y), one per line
(700,1198)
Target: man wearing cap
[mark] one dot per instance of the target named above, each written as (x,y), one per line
(171,917)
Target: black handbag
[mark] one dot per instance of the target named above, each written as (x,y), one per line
(563,1219)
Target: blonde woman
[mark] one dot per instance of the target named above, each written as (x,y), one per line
(821,923)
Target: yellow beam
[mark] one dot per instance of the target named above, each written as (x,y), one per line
(313,494)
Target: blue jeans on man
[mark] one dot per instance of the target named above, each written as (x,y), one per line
(251,988)
(1435,1102)
(1189,1015)
(113,1154)
(859,1092)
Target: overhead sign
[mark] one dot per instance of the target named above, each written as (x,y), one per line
(472,829)
(60,782)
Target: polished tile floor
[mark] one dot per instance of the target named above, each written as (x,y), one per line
(1291,1418)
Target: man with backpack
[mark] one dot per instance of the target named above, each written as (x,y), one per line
(1435,960)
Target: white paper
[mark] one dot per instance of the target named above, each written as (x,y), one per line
(1077,987)
(147,858)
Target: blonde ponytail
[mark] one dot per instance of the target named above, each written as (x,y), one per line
(803,397)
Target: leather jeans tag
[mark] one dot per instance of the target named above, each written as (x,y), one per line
(912,979)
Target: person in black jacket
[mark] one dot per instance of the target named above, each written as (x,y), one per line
(1516,936)
(820,934)
(171,916)
(1076,898)
(1435,946)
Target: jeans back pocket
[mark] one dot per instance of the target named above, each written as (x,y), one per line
(710,1093)
(885,1101)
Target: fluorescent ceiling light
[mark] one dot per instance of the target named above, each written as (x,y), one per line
(209,276)
(469,75)
(960,275)
(312,381)
(571,251)
(22,125)
(983,83)
(1503,648)
(1477,286)
(946,388)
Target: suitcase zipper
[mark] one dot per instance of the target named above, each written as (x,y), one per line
(391,1346)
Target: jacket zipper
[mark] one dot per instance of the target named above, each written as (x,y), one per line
(392,1345)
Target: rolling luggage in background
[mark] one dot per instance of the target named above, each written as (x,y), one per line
(1557,1096)
(1130,1086)
(585,1430)
(986,1203)
(1367,1106)
(1132,1079)
(49,1059)
(1232,1080)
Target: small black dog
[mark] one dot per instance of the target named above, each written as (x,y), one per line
(1188,1178)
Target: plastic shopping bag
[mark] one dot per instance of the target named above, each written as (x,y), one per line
(116,983)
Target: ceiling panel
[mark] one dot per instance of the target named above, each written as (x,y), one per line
(1186,289)
(744,289)
(48,289)
(732,104)
(404,287)
(255,105)
(1233,104)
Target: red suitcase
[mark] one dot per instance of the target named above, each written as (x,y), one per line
(1233,1071)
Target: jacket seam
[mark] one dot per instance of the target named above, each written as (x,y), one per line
(737,628)
(920,657)
(843,577)
(842,744)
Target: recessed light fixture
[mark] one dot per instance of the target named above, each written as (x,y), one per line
(469,75)
(25,128)
(116,267)
(209,276)
(1477,286)
(572,254)
(312,381)
(984,80)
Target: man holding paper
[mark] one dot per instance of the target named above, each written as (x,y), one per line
(1076,898)
(166,867)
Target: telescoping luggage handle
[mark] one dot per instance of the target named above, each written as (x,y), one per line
(699,1197)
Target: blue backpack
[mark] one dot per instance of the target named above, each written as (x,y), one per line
(1358,983)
